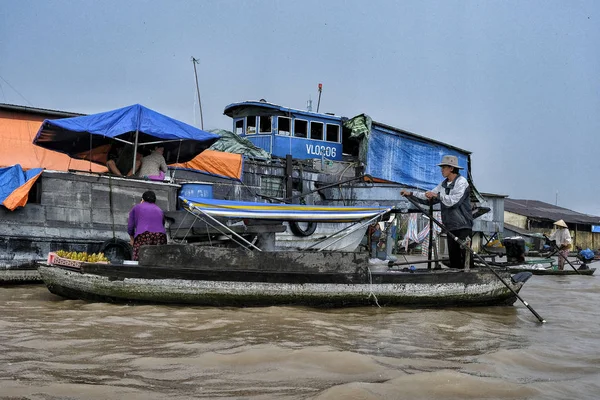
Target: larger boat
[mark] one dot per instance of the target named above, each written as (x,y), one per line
(280,155)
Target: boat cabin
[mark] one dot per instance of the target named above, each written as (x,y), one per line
(280,130)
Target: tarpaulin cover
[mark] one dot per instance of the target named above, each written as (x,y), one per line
(216,163)
(360,130)
(400,157)
(88,137)
(403,159)
(17,130)
(15,185)
(232,143)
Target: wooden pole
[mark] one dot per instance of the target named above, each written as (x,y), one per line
(195,61)
(430,247)
(477,256)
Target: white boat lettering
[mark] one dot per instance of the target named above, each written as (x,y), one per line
(321,150)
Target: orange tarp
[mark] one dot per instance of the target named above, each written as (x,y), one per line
(17,131)
(216,162)
(19,196)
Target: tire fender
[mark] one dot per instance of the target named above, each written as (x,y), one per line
(299,231)
(118,249)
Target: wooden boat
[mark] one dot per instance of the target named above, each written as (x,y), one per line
(551,271)
(23,274)
(536,267)
(188,274)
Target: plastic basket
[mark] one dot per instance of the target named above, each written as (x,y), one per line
(54,259)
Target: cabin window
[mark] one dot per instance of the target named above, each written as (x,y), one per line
(265,124)
(333,133)
(239,127)
(271,186)
(250,125)
(300,128)
(284,126)
(316,130)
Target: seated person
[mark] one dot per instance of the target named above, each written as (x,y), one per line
(154,166)
(120,160)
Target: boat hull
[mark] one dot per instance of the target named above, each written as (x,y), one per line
(222,277)
(545,271)
(19,276)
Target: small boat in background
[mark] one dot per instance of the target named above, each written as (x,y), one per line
(550,270)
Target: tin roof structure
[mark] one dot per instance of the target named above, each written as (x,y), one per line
(538,210)
(39,111)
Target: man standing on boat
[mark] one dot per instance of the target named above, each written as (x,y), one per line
(453,194)
(562,236)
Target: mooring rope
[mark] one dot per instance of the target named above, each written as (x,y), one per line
(371,293)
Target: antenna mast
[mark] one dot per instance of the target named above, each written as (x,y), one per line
(196,61)
(319,102)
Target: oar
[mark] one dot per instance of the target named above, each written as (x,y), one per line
(561,255)
(462,244)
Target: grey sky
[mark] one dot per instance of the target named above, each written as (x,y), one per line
(515,82)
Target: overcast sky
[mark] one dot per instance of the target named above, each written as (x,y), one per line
(514,82)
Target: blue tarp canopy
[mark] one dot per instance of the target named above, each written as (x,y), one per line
(90,137)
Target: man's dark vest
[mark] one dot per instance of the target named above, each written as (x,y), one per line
(458,216)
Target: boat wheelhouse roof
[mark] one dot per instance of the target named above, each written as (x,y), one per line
(261,107)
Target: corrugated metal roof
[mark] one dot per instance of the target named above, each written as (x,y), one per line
(519,231)
(34,110)
(547,212)
(493,194)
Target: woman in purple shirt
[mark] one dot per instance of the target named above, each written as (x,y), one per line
(146,224)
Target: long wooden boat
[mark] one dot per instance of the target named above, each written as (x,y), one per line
(551,271)
(22,274)
(189,274)
(536,267)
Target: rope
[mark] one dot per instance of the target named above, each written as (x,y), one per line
(371,293)
(341,175)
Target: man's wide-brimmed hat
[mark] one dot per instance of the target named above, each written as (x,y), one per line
(561,223)
(451,161)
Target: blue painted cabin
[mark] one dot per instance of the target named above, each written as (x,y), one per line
(280,130)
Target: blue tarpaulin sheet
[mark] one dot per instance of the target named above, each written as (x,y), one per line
(406,159)
(89,137)
(14,185)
